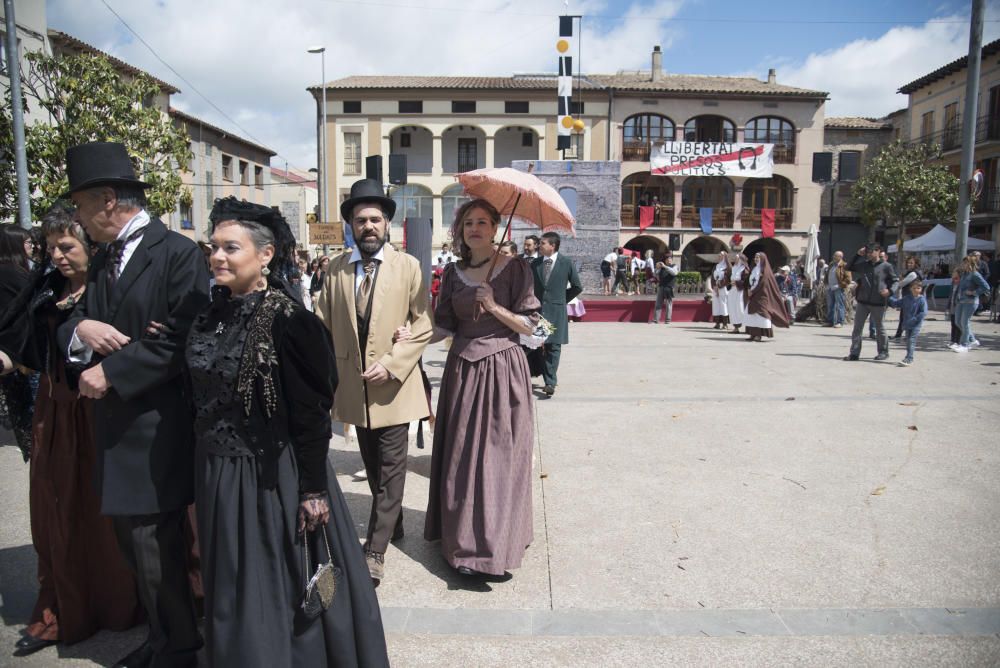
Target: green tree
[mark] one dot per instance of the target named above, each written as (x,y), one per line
(902,185)
(87,99)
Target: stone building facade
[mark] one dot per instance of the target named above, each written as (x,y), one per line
(447,125)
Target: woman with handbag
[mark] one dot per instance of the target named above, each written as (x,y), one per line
(84,584)
(285,579)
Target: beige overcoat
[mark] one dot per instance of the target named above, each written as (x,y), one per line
(400,298)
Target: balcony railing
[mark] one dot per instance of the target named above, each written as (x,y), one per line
(636,150)
(950,139)
(988,201)
(722,217)
(750,218)
(784,154)
(663,218)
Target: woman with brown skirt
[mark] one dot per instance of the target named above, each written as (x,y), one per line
(480,491)
(84,583)
(765,304)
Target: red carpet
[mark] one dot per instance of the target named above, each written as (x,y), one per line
(638,309)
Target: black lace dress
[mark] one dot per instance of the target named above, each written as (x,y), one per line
(259,445)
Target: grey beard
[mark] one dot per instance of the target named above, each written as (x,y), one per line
(370,246)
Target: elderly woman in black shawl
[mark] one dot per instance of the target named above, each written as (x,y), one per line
(765,303)
(269,508)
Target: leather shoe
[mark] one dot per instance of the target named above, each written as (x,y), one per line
(549,390)
(141,657)
(30,644)
(465,570)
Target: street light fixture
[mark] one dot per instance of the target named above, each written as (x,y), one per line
(321,50)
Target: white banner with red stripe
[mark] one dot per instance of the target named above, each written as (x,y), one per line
(695,158)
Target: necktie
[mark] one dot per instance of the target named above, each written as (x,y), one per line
(546,269)
(116,253)
(365,289)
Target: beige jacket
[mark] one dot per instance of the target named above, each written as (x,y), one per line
(399,299)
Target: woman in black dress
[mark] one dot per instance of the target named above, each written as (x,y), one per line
(84,584)
(262,380)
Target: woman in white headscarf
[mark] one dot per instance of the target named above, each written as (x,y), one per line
(739,277)
(720,292)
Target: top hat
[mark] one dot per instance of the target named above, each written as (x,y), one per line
(366,190)
(99,163)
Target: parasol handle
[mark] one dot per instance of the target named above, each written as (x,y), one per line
(496,254)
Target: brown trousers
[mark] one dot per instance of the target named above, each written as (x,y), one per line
(384,453)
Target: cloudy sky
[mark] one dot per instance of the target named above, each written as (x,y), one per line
(248,58)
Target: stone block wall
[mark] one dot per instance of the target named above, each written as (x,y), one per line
(597,186)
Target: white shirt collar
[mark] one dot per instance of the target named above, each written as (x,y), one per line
(138,221)
(356,255)
(551,257)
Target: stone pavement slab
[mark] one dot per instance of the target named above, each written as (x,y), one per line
(700,500)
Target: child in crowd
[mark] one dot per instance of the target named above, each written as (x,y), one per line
(912,311)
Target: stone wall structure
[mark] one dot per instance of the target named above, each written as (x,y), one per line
(597,186)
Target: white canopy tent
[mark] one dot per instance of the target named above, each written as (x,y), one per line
(940,239)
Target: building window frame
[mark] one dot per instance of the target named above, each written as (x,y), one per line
(352,106)
(693,130)
(244,175)
(772,130)
(855,155)
(411,106)
(352,153)
(227,167)
(516,107)
(463,106)
(258,177)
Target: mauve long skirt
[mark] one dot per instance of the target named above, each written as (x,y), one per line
(84,583)
(480,493)
(251,563)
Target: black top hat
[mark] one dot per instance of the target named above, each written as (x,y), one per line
(99,163)
(366,190)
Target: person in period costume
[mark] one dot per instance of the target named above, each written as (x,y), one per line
(84,583)
(142,419)
(736,297)
(368,294)
(765,304)
(480,488)
(666,276)
(556,283)
(17,387)
(262,377)
(720,292)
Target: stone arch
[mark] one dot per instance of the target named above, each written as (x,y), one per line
(415,142)
(645,242)
(515,142)
(776,252)
(701,254)
(463,148)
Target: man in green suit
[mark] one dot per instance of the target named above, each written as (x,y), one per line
(556,283)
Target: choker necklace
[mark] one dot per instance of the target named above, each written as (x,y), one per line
(477,265)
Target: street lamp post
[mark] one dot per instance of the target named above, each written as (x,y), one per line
(321,50)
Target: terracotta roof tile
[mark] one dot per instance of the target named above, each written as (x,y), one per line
(671,83)
(194,120)
(857,123)
(703,84)
(951,68)
(70,42)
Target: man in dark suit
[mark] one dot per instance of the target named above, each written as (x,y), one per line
(556,283)
(142,419)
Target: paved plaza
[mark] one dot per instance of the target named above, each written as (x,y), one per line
(699,500)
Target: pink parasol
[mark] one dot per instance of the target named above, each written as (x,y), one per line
(510,191)
(514,192)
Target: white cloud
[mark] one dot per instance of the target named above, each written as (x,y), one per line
(863,76)
(249,56)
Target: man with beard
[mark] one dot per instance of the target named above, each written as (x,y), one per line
(367,295)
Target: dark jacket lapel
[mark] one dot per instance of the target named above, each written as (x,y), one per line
(141,258)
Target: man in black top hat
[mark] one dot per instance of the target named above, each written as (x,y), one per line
(142,420)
